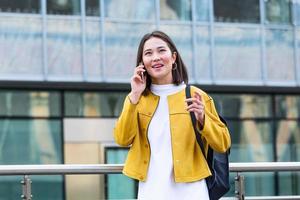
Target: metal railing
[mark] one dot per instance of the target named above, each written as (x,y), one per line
(64,169)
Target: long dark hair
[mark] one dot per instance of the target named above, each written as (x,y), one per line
(179,72)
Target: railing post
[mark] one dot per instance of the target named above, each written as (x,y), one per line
(239,186)
(26,188)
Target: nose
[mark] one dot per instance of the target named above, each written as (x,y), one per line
(155,57)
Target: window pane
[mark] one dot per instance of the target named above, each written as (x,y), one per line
(287,106)
(91,104)
(21,46)
(63,7)
(93,49)
(297,12)
(203,63)
(243,106)
(92,8)
(17,6)
(181,36)
(34,104)
(31,142)
(122,42)
(202,10)
(236,11)
(130,9)
(118,185)
(175,10)
(288,150)
(237,50)
(252,141)
(280,55)
(64,47)
(278,11)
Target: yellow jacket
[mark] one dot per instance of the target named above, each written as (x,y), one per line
(188,161)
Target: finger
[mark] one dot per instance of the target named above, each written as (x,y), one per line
(192,106)
(198,96)
(193,100)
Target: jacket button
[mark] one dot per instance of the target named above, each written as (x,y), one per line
(149,113)
(141,177)
(146,145)
(145,162)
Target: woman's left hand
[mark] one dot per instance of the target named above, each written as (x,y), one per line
(197,106)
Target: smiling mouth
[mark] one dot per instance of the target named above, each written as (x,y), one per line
(157,66)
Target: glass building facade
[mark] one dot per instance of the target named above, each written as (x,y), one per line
(65,67)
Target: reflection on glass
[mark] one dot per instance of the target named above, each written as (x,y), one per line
(287,106)
(237,11)
(17,6)
(21,45)
(175,10)
(252,141)
(91,104)
(237,54)
(63,7)
(296,5)
(119,186)
(122,42)
(243,106)
(64,47)
(280,55)
(181,36)
(93,49)
(202,10)
(288,141)
(289,183)
(33,104)
(203,63)
(31,142)
(130,9)
(278,11)
(92,8)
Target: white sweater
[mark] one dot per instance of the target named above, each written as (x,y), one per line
(160,183)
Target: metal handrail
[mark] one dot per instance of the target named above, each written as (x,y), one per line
(63,169)
(117,168)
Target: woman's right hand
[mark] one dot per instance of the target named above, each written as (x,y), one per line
(138,84)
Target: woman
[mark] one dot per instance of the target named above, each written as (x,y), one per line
(164,154)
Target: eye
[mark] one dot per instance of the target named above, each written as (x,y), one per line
(162,50)
(147,53)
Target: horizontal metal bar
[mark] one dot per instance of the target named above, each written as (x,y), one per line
(264,166)
(60,169)
(117,168)
(265,198)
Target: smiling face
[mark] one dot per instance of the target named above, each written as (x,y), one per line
(158,60)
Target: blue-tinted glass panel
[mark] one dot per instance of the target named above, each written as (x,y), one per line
(93,49)
(175,10)
(278,11)
(122,42)
(33,103)
(21,46)
(90,104)
(64,47)
(118,185)
(17,6)
(288,150)
(237,11)
(297,12)
(92,7)
(63,7)
(252,141)
(203,61)
(243,106)
(280,55)
(202,10)
(237,54)
(31,142)
(287,106)
(182,37)
(130,9)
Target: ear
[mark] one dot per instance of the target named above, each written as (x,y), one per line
(174,56)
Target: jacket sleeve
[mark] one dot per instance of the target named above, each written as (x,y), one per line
(126,126)
(214,130)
